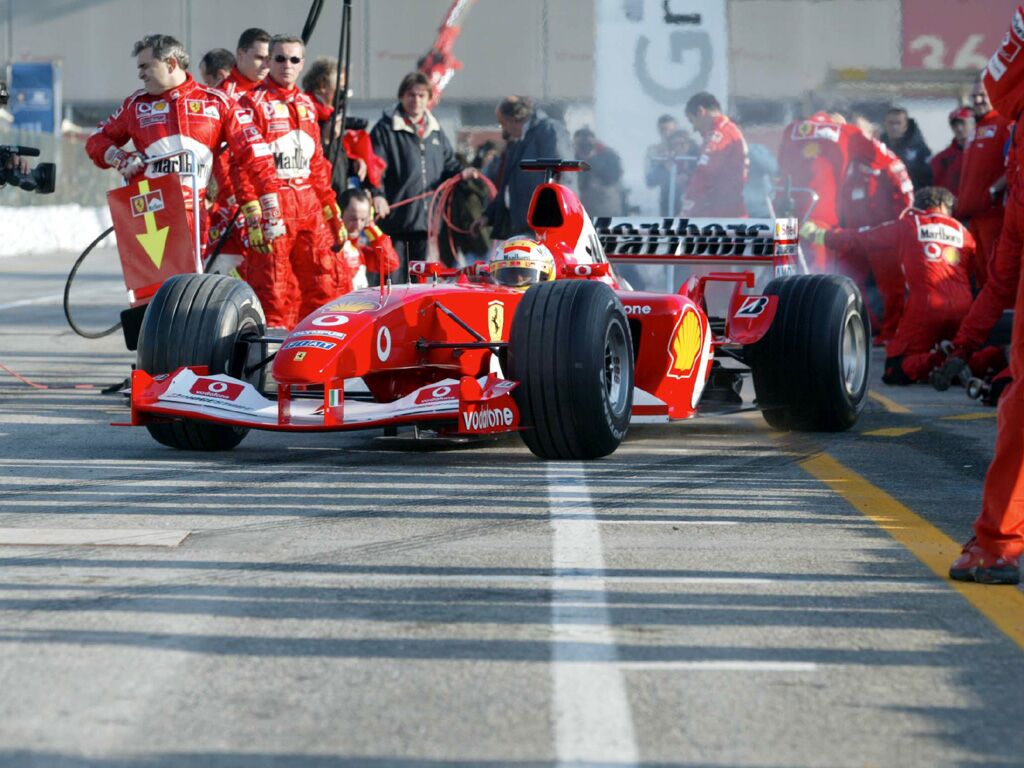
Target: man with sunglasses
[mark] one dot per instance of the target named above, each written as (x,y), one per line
(303,214)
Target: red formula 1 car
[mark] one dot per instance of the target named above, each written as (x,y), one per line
(567,363)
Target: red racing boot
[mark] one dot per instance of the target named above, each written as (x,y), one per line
(975,564)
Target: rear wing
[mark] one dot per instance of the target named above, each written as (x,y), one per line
(736,242)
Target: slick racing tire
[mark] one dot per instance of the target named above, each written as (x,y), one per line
(202,320)
(810,370)
(571,353)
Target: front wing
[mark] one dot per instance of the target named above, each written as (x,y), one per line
(477,406)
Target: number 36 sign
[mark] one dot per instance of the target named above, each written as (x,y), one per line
(952,34)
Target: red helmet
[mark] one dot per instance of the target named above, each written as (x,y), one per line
(960,113)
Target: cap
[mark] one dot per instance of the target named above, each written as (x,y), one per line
(960,113)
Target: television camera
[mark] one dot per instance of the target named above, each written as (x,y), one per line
(41,179)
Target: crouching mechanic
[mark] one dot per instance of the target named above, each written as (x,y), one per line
(297,275)
(368,249)
(173,112)
(933,249)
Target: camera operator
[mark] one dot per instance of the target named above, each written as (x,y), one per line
(17,163)
(16,170)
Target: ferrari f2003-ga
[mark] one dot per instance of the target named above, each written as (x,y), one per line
(567,363)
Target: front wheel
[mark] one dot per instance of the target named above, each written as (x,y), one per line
(202,320)
(571,352)
(810,370)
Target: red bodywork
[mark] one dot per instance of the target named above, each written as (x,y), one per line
(412,347)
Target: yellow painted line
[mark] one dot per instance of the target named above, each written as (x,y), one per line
(893,431)
(1002,605)
(971,416)
(890,405)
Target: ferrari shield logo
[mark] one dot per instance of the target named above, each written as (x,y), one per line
(495,320)
(300,356)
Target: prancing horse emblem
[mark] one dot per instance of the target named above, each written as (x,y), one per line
(495,319)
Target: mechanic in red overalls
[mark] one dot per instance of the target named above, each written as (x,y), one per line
(174,112)
(368,249)
(877,189)
(814,154)
(979,200)
(948,164)
(933,249)
(1000,288)
(716,185)
(992,556)
(296,215)
(252,62)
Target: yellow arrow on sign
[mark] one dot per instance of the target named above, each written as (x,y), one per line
(154,240)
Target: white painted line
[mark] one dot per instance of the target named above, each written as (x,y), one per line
(110,537)
(593,721)
(721,666)
(38,300)
(668,522)
(576,581)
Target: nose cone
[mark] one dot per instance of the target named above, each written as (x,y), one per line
(325,344)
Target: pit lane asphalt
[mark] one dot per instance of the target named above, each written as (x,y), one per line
(698,598)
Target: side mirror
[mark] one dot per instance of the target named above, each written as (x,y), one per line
(586,270)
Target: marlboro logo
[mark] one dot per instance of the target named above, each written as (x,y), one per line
(150,202)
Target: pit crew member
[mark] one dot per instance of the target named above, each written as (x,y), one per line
(716,185)
(302,217)
(948,164)
(979,200)
(932,248)
(877,189)
(216,65)
(173,112)
(1000,287)
(252,62)
(992,556)
(814,155)
(368,249)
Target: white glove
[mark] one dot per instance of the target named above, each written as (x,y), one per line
(127,164)
(273,223)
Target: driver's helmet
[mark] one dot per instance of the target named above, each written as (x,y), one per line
(520,263)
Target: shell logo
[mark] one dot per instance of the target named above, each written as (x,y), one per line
(685,346)
(951,255)
(812,150)
(354,304)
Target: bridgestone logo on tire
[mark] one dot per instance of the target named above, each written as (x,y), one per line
(488,419)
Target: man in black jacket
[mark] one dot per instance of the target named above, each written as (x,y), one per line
(531,135)
(419,157)
(904,138)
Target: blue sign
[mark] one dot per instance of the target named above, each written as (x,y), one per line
(35,96)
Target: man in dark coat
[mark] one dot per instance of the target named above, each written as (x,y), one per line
(904,138)
(531,135)
(419,157)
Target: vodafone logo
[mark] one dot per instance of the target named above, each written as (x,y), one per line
(221,390)
(329,320)
(441,394)
(384,344)
(488,418)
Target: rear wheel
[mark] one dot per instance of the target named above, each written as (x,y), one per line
(202,320)
(810,370)
(571,352)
